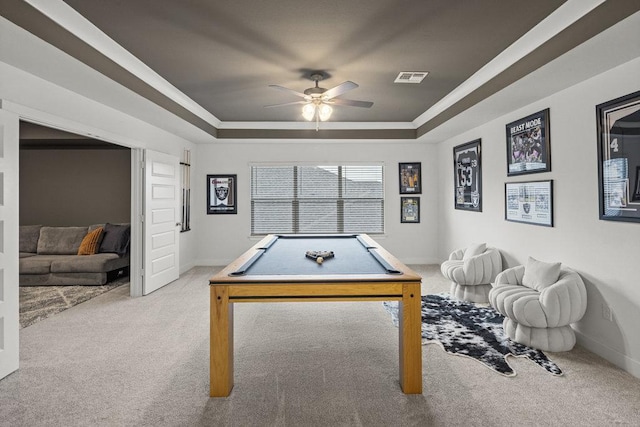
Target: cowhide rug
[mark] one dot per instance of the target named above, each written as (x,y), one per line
(465,329)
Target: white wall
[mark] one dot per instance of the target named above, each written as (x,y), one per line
(605,253)
(224,237)
(92,108)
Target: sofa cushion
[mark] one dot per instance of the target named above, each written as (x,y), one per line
(60,240)
(27,254)
(29,235)
(36,264)
(94,226)
(116,239)
(97,263)
(91,242)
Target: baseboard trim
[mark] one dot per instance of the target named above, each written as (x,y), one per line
(186,267)
(619,359)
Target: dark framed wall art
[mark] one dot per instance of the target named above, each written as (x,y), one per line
(410,209)
(528,144)
(410,178)
(467,177)
(619,158)
(221,194)
(529,202)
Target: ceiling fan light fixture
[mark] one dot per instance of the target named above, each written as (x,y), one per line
(324,111)
(309,111)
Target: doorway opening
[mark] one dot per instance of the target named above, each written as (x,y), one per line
(70,185)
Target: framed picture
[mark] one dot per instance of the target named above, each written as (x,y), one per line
(410,209)
(467,176)
(529,202)
(410,178)
(221,194)
(619,158)
(528,144)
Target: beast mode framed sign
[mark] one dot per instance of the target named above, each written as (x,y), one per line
(528,144)
(221,194)
(467,176)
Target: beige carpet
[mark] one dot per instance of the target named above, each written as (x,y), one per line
(121,361)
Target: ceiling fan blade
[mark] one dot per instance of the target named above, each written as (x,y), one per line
(339,90)
(291,91)
(286,103)
(351,103)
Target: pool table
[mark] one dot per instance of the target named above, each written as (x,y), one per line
(277,270)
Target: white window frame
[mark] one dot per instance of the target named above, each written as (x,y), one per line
(321,164)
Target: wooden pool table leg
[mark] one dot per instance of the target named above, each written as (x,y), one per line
(411,339)
(221,342)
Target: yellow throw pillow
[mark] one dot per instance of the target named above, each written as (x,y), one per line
(91,242)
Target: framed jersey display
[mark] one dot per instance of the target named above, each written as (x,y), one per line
(529,202)
(221,194)
(528,141)
(467,176)
(619,158)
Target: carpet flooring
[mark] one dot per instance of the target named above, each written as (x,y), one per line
(40,302)
(121,361)
(465,329)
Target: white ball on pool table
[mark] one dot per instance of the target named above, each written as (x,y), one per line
(319,260)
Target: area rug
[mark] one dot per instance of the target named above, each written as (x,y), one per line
(40,302)
(466,329)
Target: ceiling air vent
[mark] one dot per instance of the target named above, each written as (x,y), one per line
(411,77)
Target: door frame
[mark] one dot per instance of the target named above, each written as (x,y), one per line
(136,251)
(9,260)
(44,119)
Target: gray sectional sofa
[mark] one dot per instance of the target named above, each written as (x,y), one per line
(49,255)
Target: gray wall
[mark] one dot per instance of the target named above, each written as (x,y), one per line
(75,186)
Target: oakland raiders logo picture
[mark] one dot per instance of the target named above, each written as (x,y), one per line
(221,194)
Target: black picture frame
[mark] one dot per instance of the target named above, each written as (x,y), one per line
(222,194)
(410,178)
(467,176)
(409,209)
(529,144)
(529,202)
(618,123)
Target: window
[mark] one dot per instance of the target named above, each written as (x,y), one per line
(317,199)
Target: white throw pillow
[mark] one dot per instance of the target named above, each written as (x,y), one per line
(474,249)
(539,275)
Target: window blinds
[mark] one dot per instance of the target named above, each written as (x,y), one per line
(317,199)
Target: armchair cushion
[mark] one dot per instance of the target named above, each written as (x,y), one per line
(540,275)
(474,249)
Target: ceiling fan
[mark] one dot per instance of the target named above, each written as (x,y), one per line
(318,100)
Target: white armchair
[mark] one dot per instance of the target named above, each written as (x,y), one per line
(539,313)
(471,271)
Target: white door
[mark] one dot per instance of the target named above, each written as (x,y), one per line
(161,226)
(8,243)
